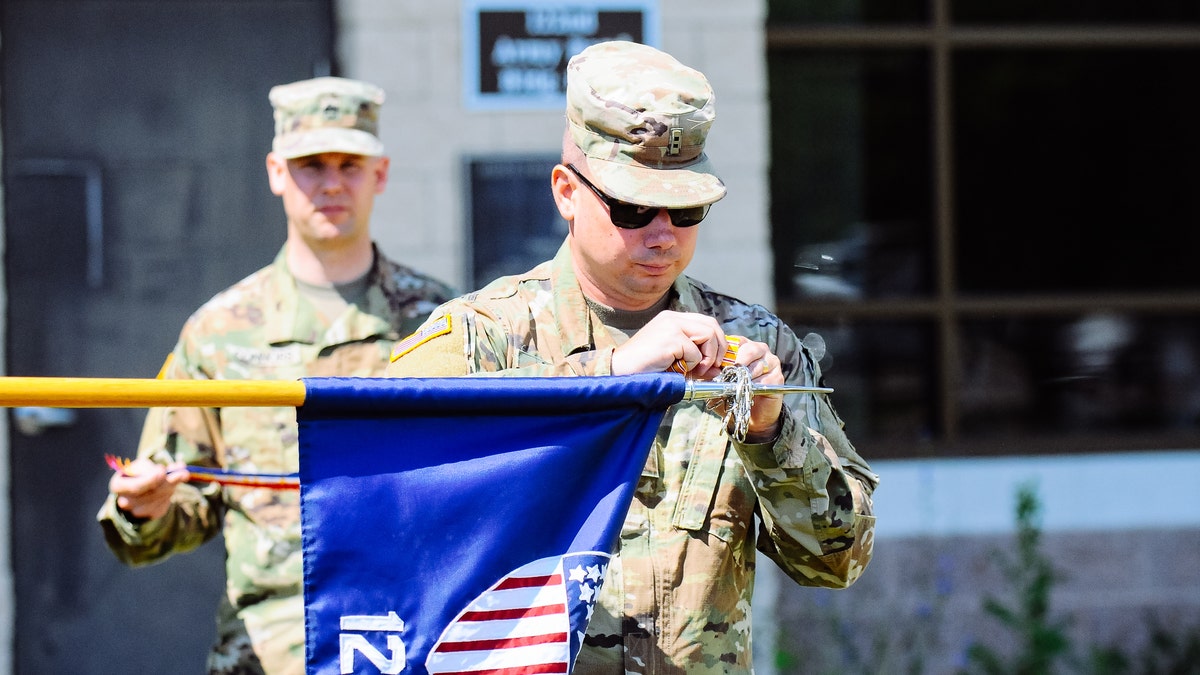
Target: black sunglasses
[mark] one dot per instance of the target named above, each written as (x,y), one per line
(633,216)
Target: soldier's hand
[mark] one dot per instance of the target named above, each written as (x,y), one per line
(144,488)
(765,368)
(695,339)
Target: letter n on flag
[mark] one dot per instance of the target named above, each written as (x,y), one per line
(464,525)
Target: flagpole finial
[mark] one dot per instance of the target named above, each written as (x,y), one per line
(696,390)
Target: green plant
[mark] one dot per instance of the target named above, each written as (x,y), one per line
(831,636)
(1042,641)
(1170,653)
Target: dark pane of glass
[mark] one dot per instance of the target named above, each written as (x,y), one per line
(884,379)
(850,175)
(514,223)
(1077,170)
(1088,11)
(847,11)
(1091,374)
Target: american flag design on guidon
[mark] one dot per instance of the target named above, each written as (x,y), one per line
(531,621)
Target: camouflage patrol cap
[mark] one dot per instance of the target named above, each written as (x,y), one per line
(326,114)
(641,118)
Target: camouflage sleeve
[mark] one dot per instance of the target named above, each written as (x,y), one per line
(814,489)
(817,519)
(459,339)
(190,435)
(189,523)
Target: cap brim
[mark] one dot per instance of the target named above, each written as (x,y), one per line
(695,184)
(317,141)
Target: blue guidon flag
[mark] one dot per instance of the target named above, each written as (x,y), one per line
(465,525)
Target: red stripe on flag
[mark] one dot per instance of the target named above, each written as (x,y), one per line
(515,613)
(501,643)
(528,582)
(557,667)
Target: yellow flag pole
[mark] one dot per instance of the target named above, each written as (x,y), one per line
(89,392)
(100,392)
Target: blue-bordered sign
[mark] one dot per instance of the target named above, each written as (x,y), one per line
(515,52)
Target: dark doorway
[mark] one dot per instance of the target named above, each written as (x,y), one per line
(134,136)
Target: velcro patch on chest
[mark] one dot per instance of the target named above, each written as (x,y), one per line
(426,333)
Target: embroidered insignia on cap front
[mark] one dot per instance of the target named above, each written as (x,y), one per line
(425,334)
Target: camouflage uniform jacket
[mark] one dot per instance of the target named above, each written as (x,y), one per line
(260,329)
(677,597)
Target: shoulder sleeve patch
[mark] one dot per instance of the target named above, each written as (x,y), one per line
(442,326)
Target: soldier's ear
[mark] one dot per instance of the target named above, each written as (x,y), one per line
(563,188)
(381,167)
(276,173)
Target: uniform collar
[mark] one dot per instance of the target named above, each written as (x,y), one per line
(295,319)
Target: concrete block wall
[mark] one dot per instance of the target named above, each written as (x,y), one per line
(413,50)
(920,606)
(1124,563)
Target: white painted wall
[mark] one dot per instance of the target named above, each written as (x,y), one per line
(1078,493)
(412,48)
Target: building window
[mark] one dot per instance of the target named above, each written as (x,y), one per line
(990,212)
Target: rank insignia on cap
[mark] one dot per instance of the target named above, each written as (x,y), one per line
(425,334)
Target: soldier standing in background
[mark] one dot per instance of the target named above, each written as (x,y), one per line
(330,305)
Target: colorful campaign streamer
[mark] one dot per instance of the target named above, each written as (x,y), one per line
(275,481)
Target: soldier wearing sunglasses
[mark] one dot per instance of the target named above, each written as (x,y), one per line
(634,185)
